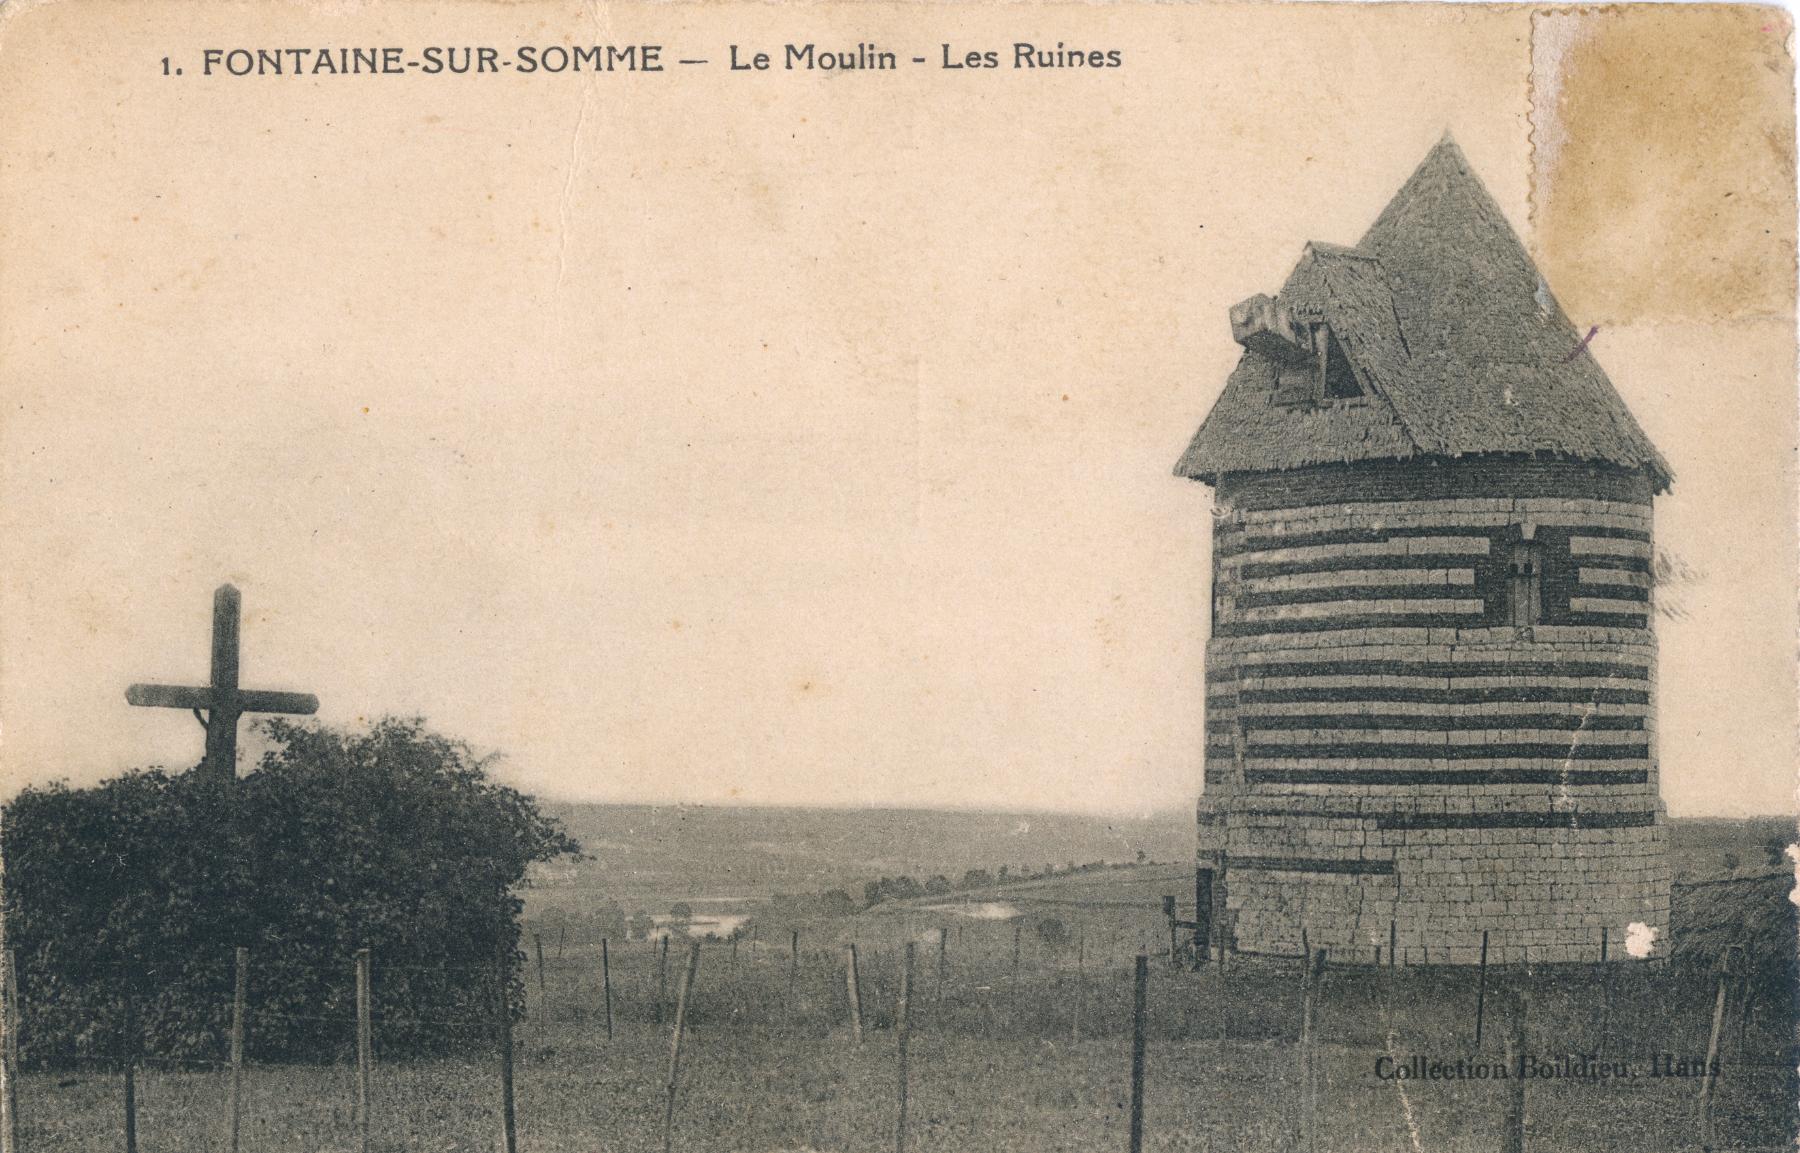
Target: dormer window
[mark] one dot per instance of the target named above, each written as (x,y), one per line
(1311,366)
(1322,375)
(1337,380)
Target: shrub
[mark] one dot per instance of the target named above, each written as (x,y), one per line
(124,901)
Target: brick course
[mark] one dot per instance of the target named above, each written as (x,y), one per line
(1385,749)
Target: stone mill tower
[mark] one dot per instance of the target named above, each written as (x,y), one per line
(1431,675)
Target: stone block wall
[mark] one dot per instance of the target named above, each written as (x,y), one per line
(1389,755)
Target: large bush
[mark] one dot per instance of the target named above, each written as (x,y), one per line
(124,902)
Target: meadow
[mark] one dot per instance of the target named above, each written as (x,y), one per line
(1029,1056)
(1020,1021)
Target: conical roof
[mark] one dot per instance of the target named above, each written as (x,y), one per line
(1460,346)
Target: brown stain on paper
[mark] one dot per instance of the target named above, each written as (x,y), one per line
(1662,172)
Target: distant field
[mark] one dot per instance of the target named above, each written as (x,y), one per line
(646,856)
(1704,849)
(649,857)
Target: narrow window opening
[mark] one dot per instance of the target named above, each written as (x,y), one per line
(1525,583)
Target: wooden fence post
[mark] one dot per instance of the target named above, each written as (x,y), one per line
(133,1050)
(537,942)
(943,969)
(1312,974)
(855,993)
(130,1104)
(1743,1012)
(1080,983)
(902,1027)
(365,1050)
(1481,989)
(1727,968)
(9,1054)
(662,977)
(1606,1004)
(1306,977)
(239,995)
(682,992)
(606,985)
(1140,984)
(1512,1135)
(1018,931)
(793,966)
(503,1039)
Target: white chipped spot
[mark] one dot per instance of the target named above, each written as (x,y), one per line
(1639,938)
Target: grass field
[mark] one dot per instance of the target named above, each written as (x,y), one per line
(1027,1056)
(1036,1061)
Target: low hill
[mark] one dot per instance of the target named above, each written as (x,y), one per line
(649,856)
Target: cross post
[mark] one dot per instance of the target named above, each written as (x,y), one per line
(222,701)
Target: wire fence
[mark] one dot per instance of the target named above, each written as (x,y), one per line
(678,1038)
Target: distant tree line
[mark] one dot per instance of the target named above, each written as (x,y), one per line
(839,902)
(608,919)
(906,888)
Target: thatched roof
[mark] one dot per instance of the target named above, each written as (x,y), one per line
(1455,340)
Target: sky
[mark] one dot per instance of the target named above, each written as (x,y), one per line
(800,443)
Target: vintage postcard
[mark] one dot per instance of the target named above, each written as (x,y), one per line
(857,576)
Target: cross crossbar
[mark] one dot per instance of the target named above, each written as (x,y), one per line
(222,700)
(202,697)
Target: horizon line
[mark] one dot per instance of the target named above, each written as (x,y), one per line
(1023,810)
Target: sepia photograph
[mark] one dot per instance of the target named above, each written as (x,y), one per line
(827,577)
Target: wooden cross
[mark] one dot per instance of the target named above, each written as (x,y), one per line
(222,701)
